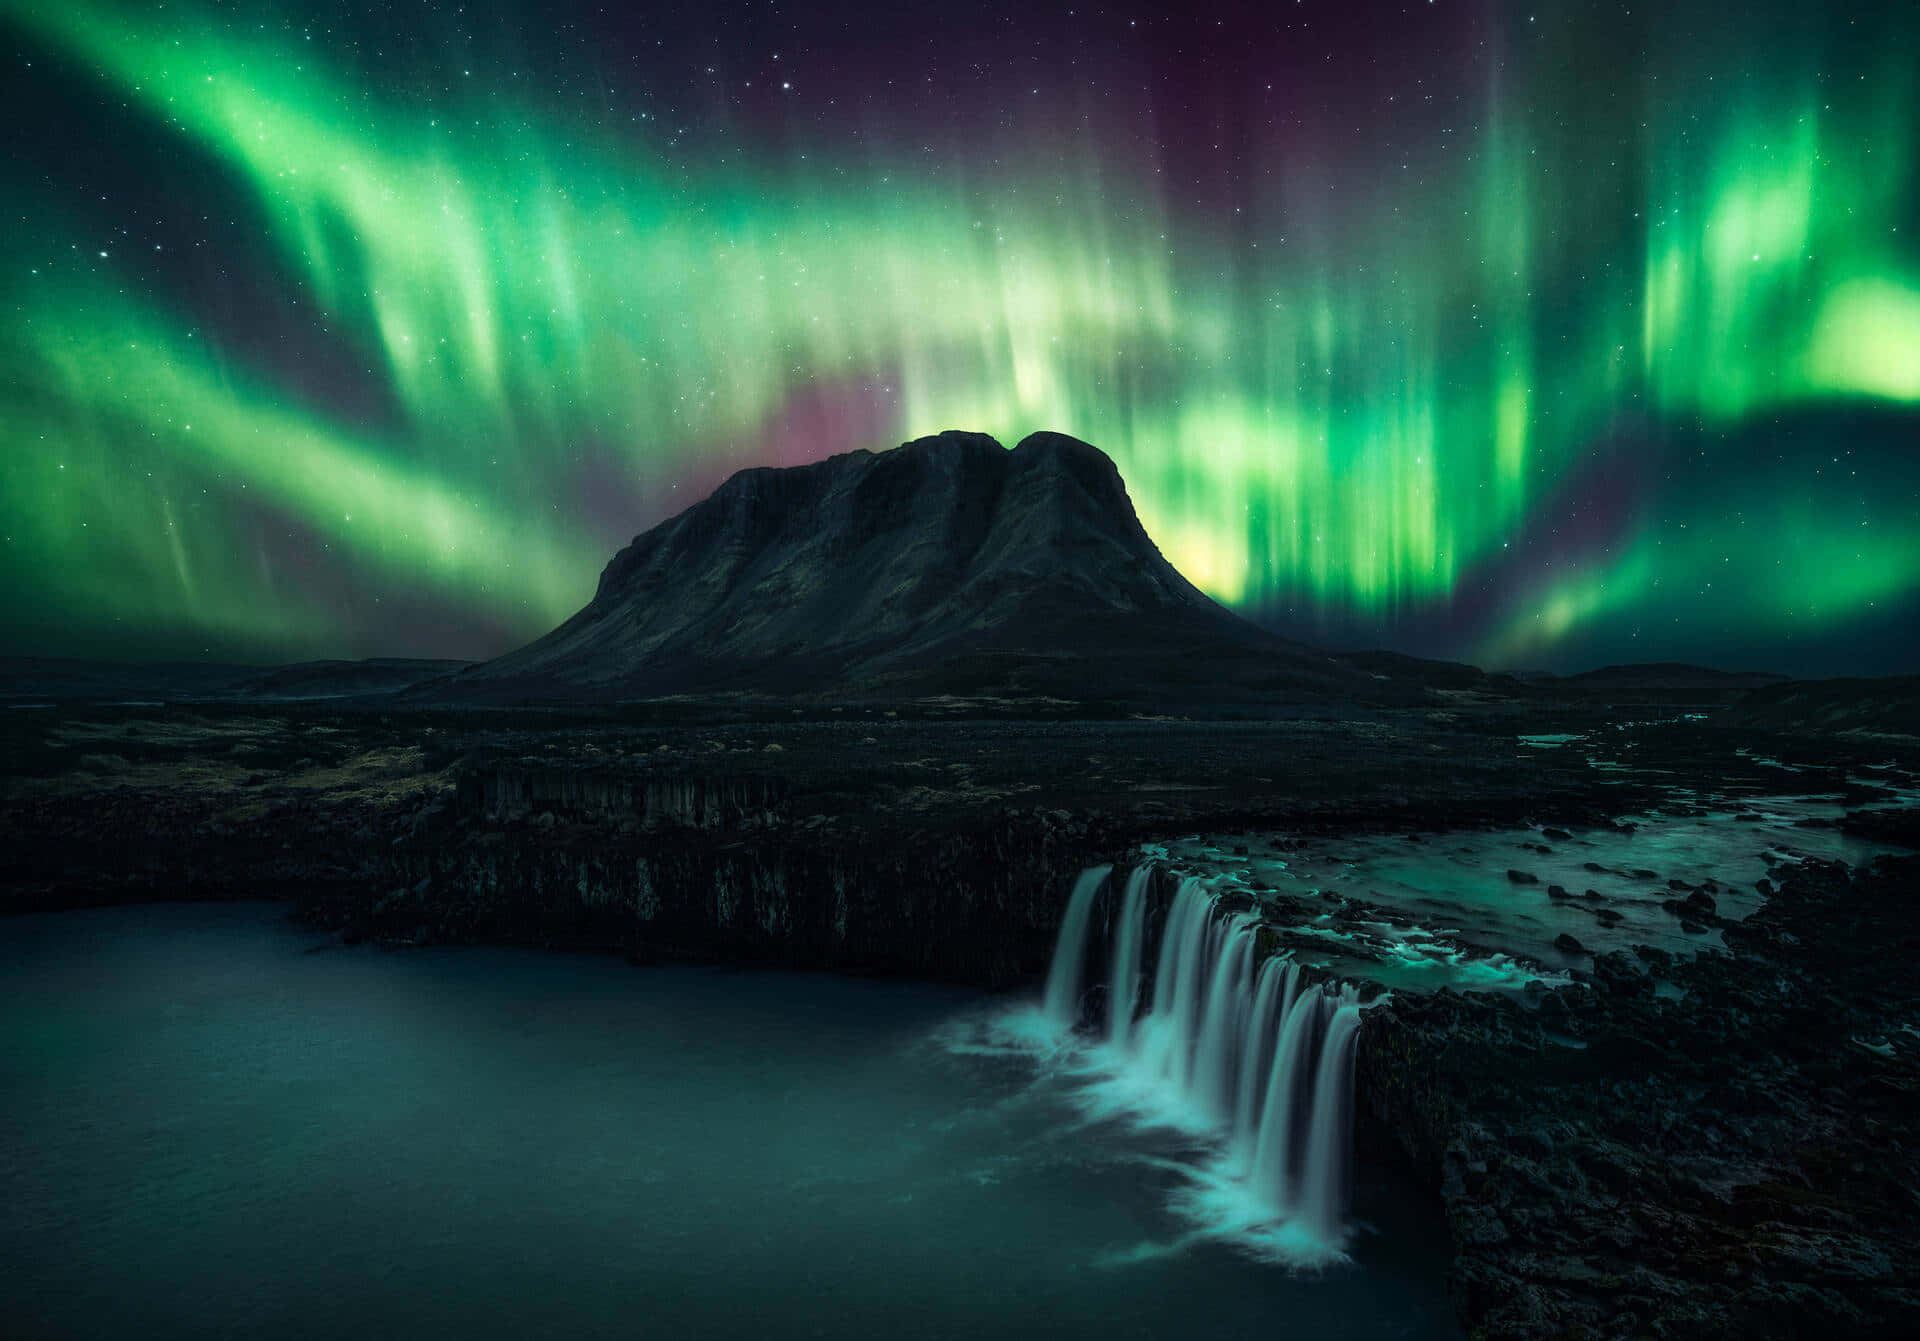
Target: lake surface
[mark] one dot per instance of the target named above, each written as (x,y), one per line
(216,1124)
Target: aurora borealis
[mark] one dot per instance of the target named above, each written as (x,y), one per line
(1535,335)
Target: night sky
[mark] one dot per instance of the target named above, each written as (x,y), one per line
(1537,335)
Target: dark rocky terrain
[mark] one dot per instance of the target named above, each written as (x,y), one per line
(1738,1161)
(957,834)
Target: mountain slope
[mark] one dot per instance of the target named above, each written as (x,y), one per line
(72,679)
(947,565)
(1669,675)
(1888,705)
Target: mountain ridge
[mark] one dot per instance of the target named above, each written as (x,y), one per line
(948,564)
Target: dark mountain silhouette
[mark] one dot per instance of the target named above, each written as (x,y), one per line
(1669,675)
(1888,705)
(71,679)
(949,565)
(343,679)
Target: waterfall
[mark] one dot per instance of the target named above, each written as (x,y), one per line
(1070,951)
(1123,985)
(1279,980)
(1282,1130)
(1216,1051)
(1322,1202)
(1266,1058)
(1166,1035)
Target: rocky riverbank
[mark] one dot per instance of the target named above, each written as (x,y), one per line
(1722,1146)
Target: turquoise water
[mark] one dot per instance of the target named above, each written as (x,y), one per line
(1444,910)
(215,1124)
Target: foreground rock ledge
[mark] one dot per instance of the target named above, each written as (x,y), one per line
(1741,1162)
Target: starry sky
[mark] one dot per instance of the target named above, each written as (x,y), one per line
(1536,335)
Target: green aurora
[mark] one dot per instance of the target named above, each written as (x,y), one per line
(1615,368)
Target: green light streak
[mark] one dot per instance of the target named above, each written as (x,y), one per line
(1355,420)
(164,425)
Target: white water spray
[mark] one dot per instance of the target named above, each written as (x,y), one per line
(1166,1034)
(1279,983)
(1266,1058)
(1123,984)
(1216,1069)
(1277,1149)
(1325,1180)
(1070,951)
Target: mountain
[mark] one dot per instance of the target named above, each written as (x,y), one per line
(1669,675)
(948,565)
(69,679)
(1889,705)
(343,679)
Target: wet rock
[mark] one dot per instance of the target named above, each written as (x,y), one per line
(1654,955)
(1727,1165)
(1698,904)
(1536,1141)
(1569,944)
(1523,877)
(1619,975)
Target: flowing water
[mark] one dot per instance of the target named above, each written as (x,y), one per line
(1245,1054)
(214,1124)
(1246,1041)
(1485,909)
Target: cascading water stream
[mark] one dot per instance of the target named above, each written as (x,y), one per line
(1322,1202)
(1123,984)
(1264,1057)
(1283,1115)
(1165,1033)
(1279,982)
(1215,1057)
(1070,951)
